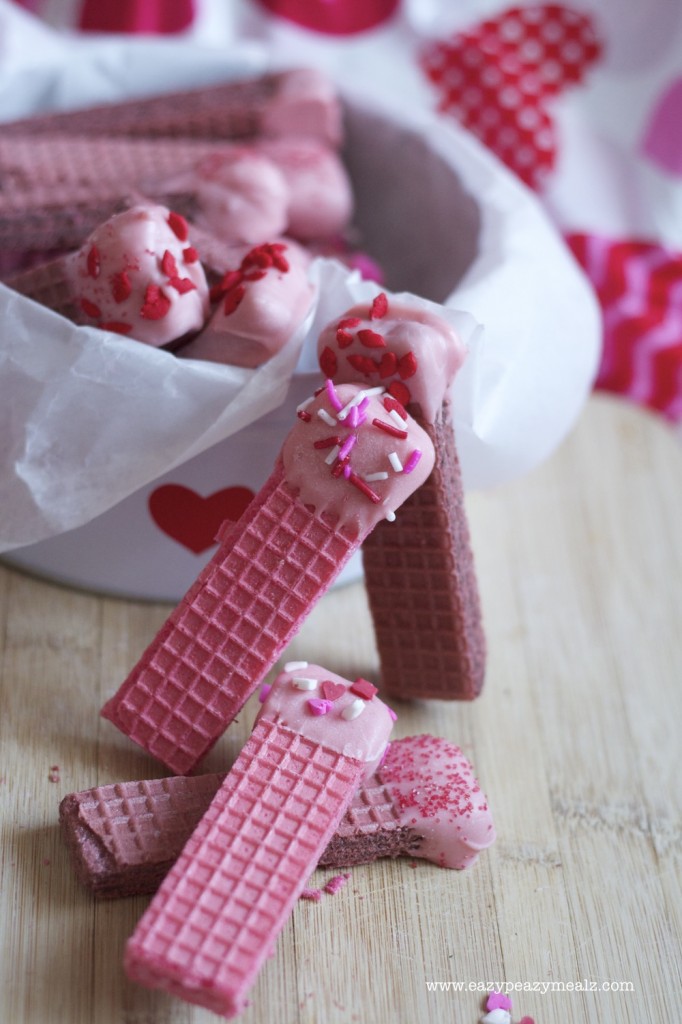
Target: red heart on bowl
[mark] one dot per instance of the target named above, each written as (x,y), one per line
(331,690)
(193,520)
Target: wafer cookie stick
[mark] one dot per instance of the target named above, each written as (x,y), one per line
(218,913)
(57,188)
(419,572)
(271,568)
(423,801)
(299,102)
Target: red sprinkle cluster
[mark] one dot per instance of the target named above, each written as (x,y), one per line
(387,365)
(443,783)
(155,303)
(254,266)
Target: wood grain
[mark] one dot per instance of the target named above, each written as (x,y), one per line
(575,741)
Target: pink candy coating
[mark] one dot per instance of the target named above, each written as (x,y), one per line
(131,277)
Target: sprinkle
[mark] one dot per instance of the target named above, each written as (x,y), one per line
(304,683)
(400,391)
(362,410)
(182,285)
(327,442)
(390,516)
(392,714)
(353,417)
(348,446)
(228,281)
(121,287)
(379,307)
(168,264)
(360,396)
(190,255)
(412,461)
(349,321)
(293,666)
(363,688)
(388,365)
(358,482)
(299,408)
(255,275)
(116,327)
(346,470)
(326,418)
(91,309)
(178,225)
(156,305)
(371,339)
(331,458)
(371,478)
(331,690)
(391,405)
(319,707)
(389,428)
(395,462)
(334,399)
(363,364)
(397,418)
(93,262)
(263,692)
(344,338)
(352,711)
(303,415)
(407,365)
(233,298)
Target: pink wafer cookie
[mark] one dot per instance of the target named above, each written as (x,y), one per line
(272,566)
(218,913)
(299,102)
(420,574)
(56,188)
(423,801)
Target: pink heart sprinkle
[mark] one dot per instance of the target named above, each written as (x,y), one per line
(319,707)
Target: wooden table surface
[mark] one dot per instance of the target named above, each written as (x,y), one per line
(575,740)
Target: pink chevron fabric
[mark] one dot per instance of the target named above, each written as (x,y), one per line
(639,287)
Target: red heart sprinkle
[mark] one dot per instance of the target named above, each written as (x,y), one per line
(93,262)
(328,362)
(407,365)
(121,287)
(178,225)
(349,322)
(156,304)
(91,309)
(371,339)
(331,690)
(344,338)
(388,365)
(168,264)
(400,391)
(233,298)
(190,255)
(379,307)
(363,364)
(183,285)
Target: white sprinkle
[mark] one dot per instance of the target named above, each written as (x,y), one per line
(332,455)
(294,666)
(304,405)
(371,478)
(304,683)
(397,418)
(395,462)
(390,516)
(353,710)
(356,399)
(324,415)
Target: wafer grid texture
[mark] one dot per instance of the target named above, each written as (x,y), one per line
(233,110)
(219,643)
(422,587)
(216,916)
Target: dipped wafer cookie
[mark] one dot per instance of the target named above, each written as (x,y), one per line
(423,801)
(219,911)
(296,102)
(55,189)
(335,479)
(419,573)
